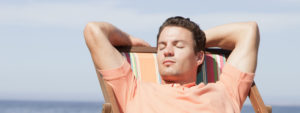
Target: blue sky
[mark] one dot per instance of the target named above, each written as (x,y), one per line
(44,56)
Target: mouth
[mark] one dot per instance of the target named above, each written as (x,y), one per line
(168,62)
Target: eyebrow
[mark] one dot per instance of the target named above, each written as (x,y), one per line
(176,41)
(183,41)
(160,42)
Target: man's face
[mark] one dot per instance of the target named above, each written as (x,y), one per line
(177,60)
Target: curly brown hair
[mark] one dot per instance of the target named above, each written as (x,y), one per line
(198,34)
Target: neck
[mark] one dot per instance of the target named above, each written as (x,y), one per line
(181,82)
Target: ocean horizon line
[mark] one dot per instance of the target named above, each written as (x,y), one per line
(101,102)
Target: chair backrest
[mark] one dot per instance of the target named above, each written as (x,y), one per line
(144,66)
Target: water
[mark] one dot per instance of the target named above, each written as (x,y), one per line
(49,107)
(275,109)
(91,107)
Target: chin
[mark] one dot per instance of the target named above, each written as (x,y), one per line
(170,79)
(170,75)
(169,72)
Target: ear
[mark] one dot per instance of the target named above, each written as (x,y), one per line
(200,58)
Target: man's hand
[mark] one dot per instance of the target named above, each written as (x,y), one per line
(139,42)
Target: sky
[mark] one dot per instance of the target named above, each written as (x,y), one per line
(43,55)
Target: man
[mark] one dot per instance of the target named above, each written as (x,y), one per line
(180,50)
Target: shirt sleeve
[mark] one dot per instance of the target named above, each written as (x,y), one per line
(237,83)
(122,81)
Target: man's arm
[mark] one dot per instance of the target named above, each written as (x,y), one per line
(101,37)
(241,38)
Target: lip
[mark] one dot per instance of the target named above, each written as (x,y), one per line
(168,62)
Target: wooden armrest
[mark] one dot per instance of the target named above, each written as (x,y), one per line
(269,108)
(106,108)
(257,102)
(110,105)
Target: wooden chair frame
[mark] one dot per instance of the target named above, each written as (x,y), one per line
(111,105)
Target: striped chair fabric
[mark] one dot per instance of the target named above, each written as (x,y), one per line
(144,67)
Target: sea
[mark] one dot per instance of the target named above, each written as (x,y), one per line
(12,106)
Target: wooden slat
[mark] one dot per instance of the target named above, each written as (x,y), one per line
(108,94)
(256,100)
(106,108)
(154,50)
(136,49)
(269,108)
(218,51)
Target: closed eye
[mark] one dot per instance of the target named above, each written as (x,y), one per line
(161,46)
(179,45)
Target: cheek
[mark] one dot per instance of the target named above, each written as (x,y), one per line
(159,57)
(187,60)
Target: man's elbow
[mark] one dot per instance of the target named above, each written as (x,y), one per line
(92,29)
(253,27)
(253,32)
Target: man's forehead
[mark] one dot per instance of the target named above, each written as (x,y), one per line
(175,34)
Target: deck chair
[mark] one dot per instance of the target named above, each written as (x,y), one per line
(143,64)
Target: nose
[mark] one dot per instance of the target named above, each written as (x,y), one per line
(168,51)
